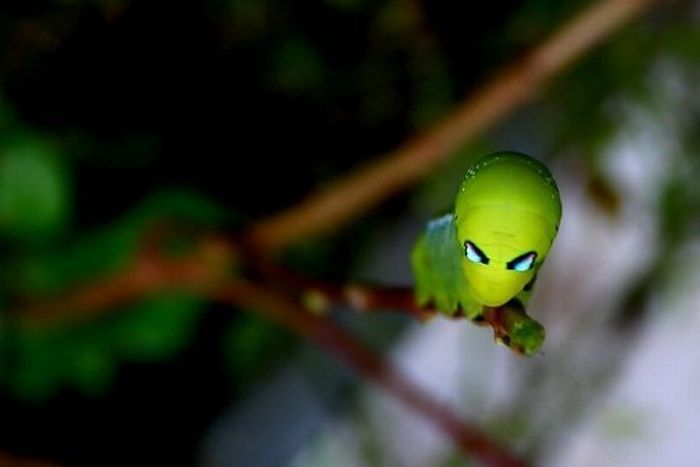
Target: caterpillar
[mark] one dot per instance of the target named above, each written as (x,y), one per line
(488,251)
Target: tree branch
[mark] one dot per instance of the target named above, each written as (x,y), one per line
(510,323)
(150,272)
(340,202)
(209,265)
(285,311)
(206,271)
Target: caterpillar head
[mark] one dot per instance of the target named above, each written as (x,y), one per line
(507,215)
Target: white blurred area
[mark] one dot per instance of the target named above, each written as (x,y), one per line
(650,417)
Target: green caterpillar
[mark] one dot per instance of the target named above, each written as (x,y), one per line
(488,251)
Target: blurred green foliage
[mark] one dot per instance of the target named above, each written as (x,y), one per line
(34,188)
(86,354)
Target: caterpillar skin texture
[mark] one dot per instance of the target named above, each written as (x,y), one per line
(489,250)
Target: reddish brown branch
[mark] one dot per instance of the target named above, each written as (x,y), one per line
(205,270)
(348,197)
(150,272)
(287,312)
(371,298)
(319,296)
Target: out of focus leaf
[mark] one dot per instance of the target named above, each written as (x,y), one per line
(85,355)
(90,367)
(180,205)
(45,273)
(32,374)
(157,327)
(34,195)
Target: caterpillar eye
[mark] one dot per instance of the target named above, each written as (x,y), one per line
(523,262)
(474,254)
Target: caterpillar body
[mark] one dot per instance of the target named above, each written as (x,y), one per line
(487,252)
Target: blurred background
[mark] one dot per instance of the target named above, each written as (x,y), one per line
(116,114)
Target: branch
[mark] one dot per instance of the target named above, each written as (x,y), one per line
(348,197)
(285,311)
(511,325)
(206,271)
(150,272)
(210,264)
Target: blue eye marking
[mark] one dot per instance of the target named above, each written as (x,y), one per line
(474,254)
(523,262)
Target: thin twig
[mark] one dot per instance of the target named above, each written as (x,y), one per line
(350,196)
(318,296)
(285,311)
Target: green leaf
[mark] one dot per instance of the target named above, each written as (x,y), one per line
(180,205)
(33,375)
(157,327)
(49,272)
(90,367)
(86,354)
(34,194)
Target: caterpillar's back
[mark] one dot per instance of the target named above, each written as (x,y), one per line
(511,180)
